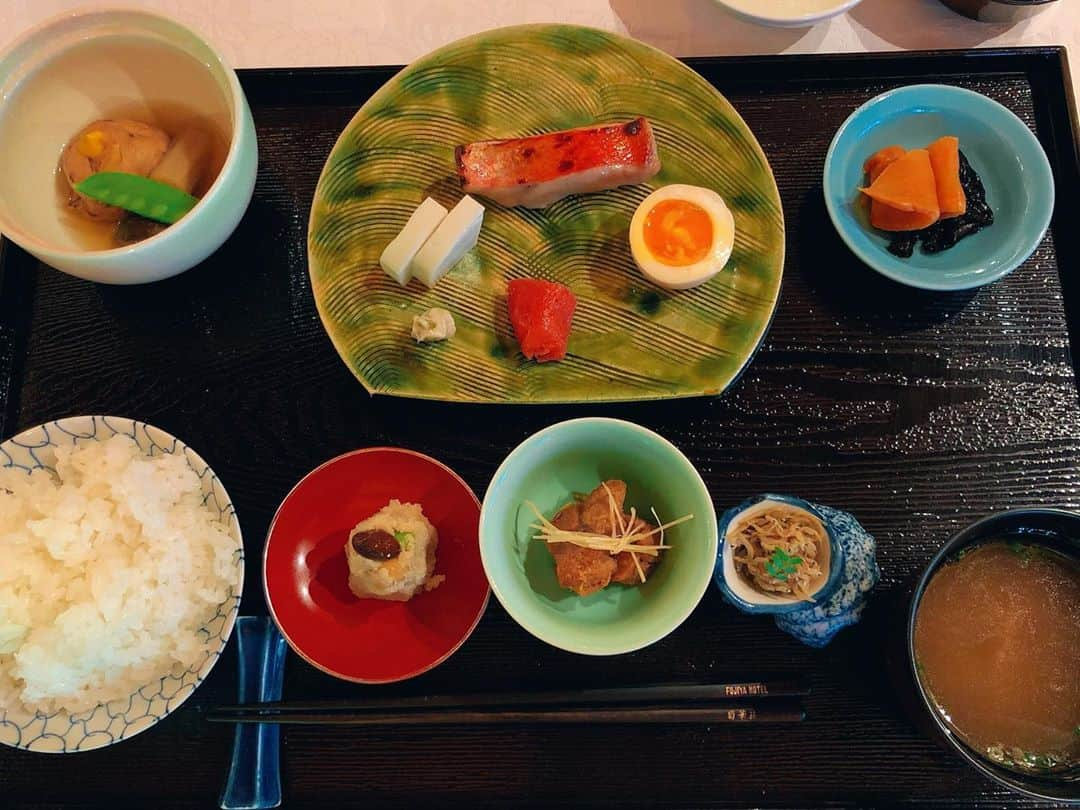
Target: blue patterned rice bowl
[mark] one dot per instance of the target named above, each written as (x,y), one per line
(109,723)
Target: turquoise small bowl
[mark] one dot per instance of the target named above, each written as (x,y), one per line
(575,456)
(1001,148)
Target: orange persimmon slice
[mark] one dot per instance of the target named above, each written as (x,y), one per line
(886,218)
(883,216)
(908,185)
(877,162)
(945,161)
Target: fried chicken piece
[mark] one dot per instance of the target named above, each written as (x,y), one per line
(581,570)
(596,508)
(585,570)
(625,571)
(569,517)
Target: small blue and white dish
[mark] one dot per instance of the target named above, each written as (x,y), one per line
(1005,153)
(839,600)
(744,596)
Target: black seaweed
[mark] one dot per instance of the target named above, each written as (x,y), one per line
(903,243)
(945,233)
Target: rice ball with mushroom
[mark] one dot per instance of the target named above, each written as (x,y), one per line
(391,554)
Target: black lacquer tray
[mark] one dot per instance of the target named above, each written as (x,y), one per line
(919,412)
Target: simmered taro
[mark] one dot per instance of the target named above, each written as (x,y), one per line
(134,179)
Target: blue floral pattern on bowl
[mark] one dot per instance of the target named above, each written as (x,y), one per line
(840,601)
(118,720)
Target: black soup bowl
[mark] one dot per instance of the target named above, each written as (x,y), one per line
(1054,529)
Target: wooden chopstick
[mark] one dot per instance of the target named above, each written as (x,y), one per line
(628,695)
(713,715)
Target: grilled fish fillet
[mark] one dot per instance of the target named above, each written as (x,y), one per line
(536,171)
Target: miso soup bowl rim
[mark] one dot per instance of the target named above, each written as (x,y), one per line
(971,535)
(239,118)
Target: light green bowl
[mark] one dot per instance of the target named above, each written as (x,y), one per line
(575,456)
(95,63)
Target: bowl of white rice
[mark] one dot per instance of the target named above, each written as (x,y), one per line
(122,569)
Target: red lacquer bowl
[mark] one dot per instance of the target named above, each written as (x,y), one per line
(306,576)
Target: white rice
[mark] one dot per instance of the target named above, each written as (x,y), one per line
(106,575)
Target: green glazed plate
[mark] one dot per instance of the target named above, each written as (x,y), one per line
(631,340)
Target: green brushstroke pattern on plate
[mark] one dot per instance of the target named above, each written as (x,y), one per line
(631,340)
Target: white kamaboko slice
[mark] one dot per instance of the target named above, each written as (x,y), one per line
(455,236)
(397,259)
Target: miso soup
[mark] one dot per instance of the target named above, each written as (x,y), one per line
(997,646)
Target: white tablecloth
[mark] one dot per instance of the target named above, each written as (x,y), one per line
(285,33)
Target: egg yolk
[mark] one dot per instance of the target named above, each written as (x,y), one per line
(678,232)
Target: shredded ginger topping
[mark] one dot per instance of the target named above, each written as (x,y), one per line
(626,535)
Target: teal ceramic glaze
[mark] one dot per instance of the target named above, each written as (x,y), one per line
(1000,147)
(575,456)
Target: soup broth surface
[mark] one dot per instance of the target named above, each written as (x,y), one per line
(997,644)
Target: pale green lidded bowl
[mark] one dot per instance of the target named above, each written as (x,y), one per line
(575,456)
(85,65)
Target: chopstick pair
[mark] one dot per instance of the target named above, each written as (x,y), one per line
(738,702)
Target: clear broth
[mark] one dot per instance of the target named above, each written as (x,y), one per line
(997,645)
(183,92)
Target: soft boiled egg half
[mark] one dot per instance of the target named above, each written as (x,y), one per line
(681,236)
